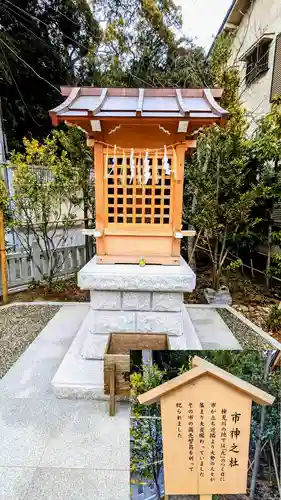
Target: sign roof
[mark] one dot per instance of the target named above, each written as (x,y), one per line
(202,367)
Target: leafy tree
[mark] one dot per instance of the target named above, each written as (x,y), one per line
(223,208)
(73,140)
(43,44)
(140,47)
(218,202)
(45,187)
(264,162)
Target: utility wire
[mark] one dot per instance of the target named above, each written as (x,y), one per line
(64,15)
(31,32)
(20,94)
(45,24)
(26,64)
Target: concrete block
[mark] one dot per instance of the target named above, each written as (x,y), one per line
(160,322)
(167,301)
(105,300)
(211,330)
(193,342)
(94,347)
(124,277)
(113,322)
(136,301)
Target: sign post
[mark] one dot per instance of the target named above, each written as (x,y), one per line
(206,419)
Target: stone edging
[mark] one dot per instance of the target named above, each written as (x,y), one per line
(242,318)
(44,303)
(254,327)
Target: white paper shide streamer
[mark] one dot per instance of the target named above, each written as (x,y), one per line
(166,164)
(146,168)
(132,166)
(114,161)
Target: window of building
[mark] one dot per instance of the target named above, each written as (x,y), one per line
(257,60)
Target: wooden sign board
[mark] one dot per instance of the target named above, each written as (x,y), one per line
(206,418)
(206,430)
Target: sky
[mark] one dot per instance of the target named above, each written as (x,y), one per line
(202,19)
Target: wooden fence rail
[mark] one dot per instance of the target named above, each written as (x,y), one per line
(23,271)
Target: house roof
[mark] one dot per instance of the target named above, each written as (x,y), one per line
(102,103)
(200,368)
(232,18)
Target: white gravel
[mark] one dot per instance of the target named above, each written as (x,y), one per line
(19,326)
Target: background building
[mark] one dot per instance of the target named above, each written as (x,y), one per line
(256,51)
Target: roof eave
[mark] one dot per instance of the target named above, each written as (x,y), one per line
(203,367)
(229,22)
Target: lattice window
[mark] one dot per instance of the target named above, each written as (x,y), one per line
(276,73)
(135,202)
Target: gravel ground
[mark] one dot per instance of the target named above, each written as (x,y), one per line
(247,338)
(19,326)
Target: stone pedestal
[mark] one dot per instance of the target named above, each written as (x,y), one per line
(134,299)
(124,298)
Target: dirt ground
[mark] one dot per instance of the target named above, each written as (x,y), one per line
(62,291)
(250,297)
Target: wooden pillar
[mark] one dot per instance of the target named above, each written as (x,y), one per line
(3,259)
(178,197)
(99,196)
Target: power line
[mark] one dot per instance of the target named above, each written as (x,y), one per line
(45,24)
(26,64)
(20,94)
(62,14)
(30,31)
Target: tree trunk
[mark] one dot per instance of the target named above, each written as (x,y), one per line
(269,244)
(275,467)
(88,240)
(259,438)
(190,250)
(216,277)
(157,485)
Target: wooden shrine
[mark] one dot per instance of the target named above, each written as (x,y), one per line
(206,417)
(140,138)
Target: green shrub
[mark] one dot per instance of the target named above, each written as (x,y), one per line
(274,318)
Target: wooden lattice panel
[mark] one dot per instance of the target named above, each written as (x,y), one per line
(131,201)
(276,73)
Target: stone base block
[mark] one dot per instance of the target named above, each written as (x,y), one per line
(105,322)
(106,300)
(80,374)
(136,301)
(159,322)
(167,301)
(181,332)
(131,277)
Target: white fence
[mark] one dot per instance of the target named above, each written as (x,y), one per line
(22,270)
